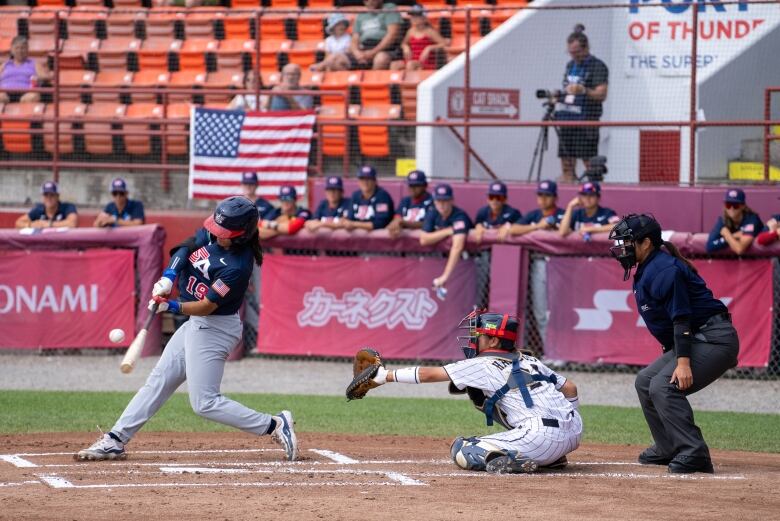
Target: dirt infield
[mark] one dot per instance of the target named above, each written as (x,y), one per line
(234,476)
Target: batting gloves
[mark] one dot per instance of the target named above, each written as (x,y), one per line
(163,304)
(164,286)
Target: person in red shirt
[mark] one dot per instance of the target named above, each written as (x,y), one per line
(420,44)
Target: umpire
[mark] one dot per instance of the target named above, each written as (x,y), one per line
(695,330)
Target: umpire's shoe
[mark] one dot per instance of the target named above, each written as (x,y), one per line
(690,464)
(511,464)
(649,456)
(284,434)
(107,447)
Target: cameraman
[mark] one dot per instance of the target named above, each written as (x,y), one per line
(584,92)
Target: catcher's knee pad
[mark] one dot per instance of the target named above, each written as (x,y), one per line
(473,453)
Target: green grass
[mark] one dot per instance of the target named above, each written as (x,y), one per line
(52,411)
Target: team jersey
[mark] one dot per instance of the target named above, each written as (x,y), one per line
(132,210)
(490,373)
(38,212)
(215,273)
(602,216)
(325,213)
(378,209)
(534,216)
(751,225)
(508,214)
(458,219)
(415,210)
(274,214)
(263,207)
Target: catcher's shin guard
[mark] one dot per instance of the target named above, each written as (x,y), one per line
(473,453)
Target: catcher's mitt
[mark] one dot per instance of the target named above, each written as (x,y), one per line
(364,368)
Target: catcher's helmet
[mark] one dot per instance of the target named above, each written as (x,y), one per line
(627,232)
(482,322)
(234,217)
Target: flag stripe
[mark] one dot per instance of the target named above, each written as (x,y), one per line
(226,182)
(250,168)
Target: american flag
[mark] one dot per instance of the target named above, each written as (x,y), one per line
(226,143)
(220,287)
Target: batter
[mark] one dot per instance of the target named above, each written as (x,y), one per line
(213,269)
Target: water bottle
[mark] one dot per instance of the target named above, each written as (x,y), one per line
(441,292)
(586,236)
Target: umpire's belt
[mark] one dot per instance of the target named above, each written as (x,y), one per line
(717,319)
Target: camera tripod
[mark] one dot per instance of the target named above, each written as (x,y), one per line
(542,142)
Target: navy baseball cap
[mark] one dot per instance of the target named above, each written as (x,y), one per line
(497,188)
(367,172)
(249,178)
(416,178)
(287,193)
(118,185)
(49,187)
(734,195)
(547,188)
(590,188)
(334,183)
(442,192)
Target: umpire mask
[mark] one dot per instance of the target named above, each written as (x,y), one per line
(626,233)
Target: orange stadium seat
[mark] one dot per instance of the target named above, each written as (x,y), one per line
(238,26)
(82,20)
(40,23)
(470,3)
(458,23)
(68,109)
(147,80)
(499,16)
(177,145)
(155,51)
(193,54)
(374,141)
(89,3)
(112,55)
(310,27)
(97,137)
(311,79)
(339,80)
(5,48)
(273,26)
(409,92)
(124,4)
(118,79)
(41,47)
(140,145)
(75,52)
(271,78)
(19,143)
(246,4)
(304,52)
(123,24)
(269,51)
(9,16)
(333,138)
(320,4)
(376,86)
(73,79)
(50,3)
(223,80)
(512,3)
(284,4)
(185,80)
(199,24)
(458,45)
(162,24)
(230,54)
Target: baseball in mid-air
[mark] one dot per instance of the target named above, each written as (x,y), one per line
(116,335)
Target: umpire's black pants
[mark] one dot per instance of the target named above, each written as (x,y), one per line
(667,411)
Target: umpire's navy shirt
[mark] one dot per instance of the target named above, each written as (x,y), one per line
(377,209)
(415,210)
(38,212)
(458,219)
(132,210)
(665,289)
(325,213)
(751,225)
(507,214)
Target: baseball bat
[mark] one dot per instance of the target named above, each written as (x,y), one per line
(134,351)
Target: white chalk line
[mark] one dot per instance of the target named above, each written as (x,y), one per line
(20,483)
(16,461)
(240,484)
(204,451)
(55,481)
(346,460)
(335,456)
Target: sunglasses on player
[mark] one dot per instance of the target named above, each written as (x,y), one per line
(496,197)
(735,206)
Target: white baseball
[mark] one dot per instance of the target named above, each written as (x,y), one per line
(116,335)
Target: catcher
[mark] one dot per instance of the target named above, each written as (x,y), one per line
(537,406)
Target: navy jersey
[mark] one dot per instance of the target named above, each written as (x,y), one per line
(534,216)
(378,210)
(458,219)
(507,215)
(415,210)
(275,213)
(263,207)
(132,210)
(212,272)
(601,217)
(665,289)
(38,212)
(325,213)
(751,225)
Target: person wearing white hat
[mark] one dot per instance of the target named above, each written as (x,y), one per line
(336,45)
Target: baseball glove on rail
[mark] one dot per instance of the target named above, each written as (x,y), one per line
(364,368)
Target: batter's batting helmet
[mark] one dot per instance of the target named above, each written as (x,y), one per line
(628,231)
(487,323)
(233,218)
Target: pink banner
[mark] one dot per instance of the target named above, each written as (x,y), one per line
(66,299)
(332,306)
(593,317)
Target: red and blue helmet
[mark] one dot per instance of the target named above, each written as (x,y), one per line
(233,218)
(487,323)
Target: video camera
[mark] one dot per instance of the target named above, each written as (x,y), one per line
(596,171)
(549,94)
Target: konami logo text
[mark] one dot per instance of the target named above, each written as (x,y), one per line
(681,6)
(38,299)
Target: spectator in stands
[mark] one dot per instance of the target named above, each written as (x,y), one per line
(771,233)
(291,80)
(336,45)
(122,211)
(447,220)
(738,225)
(333,209)
(420,43)
(376,37)
(414,207)
(288,219)
(584,92)
(21,73)
(249,101)
(249,189)
(584,214)
(371,207)
(547,216)
(51,213)
(497,214)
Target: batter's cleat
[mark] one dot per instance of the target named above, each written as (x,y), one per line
(558,464)
(284,434)
(690,464)
(105,448)
(649,456)
(511,465)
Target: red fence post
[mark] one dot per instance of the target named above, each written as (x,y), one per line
(166,179)
(694,76)
(767,130)
(467,104)
(55,156)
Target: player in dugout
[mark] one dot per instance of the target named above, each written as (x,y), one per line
(497,214)
(371,207)
(585,215)
(414,207)
(546,217)
(331,210)
(50,212)
(288,219)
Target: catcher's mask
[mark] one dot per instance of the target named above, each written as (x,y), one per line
(627,232)
(482,322)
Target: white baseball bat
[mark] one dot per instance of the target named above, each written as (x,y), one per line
(134,351)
